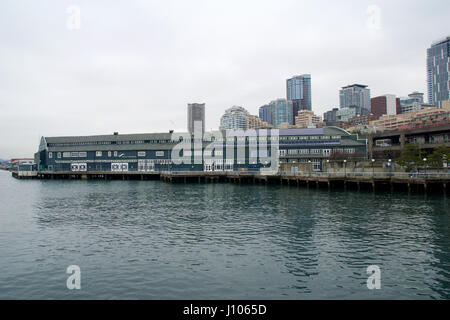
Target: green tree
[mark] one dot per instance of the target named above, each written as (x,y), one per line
(439,155)
(411,157)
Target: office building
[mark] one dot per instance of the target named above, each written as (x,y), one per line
(414,102)
(298,90)
(307,119)
(195,112)
(388,104)
(438,70)
(355,95)
(329,117)
(281,112)
(265,113)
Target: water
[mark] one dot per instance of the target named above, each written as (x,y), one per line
(154,240)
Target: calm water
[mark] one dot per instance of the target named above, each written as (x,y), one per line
(152,240)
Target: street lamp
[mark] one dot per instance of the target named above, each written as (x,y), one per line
(345,168)
(373,169)
(390,167)
(425,165)
(310,167)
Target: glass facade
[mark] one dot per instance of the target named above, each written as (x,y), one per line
(438,69)
(265,113)
(355,95)
(282,112)
(298,90)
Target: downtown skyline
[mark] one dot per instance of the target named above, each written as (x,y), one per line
(53,77)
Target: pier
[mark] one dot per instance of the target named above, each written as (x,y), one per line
(394,181)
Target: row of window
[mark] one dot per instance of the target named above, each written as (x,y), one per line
(83,154)
(325,152)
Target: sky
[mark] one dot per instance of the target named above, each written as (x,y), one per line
(97,66)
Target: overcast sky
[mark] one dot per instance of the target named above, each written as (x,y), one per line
(132,66)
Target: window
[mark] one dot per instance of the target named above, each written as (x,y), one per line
(109,154)
(50,155)
(74,154)
(59,155)
(115,153)
(98,153)
(141,153)
(160,153)
(82,154)
(66,154)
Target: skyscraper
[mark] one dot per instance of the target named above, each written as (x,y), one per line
(265,113)
(298,90)
(234,118)
(438,69)
(355,95)
(196,112)
(281,112)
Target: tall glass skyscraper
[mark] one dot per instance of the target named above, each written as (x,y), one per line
(282,112)
(298,90)
(438,69)
(265,113)
(355,95)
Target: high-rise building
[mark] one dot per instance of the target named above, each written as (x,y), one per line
(281,112)
(355,95)
(438,70)
(329,117)
(234,118)
(195,112)
(298,90)
(265,113)
(307,119)
(413,103)
(388,104)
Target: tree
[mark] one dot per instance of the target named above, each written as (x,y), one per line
(411,157)
(440,154)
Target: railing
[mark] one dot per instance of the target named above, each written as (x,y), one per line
(379,175)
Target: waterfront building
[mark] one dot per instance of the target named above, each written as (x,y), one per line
(387,104)
(298,90)
(438,72)
(355,95)
(153,151)
(281,112)
(306,119)
(195,112)
(234,118)
(265,113)
(318,145)
(254,122)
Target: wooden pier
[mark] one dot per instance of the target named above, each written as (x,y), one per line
(391,182)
